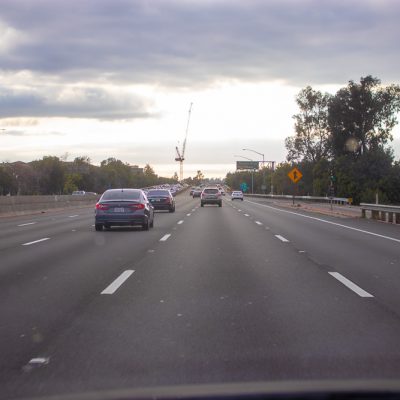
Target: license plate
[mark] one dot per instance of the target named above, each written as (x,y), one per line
(119,210)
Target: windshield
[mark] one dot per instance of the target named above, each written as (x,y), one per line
(121,195)
(158,193)
(198,192)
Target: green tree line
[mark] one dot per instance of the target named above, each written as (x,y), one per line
(341,144)
(51,175)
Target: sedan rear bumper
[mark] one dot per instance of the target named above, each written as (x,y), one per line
(121,220)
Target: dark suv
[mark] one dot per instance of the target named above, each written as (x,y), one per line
(211,195)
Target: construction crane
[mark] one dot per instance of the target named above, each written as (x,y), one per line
(181,155)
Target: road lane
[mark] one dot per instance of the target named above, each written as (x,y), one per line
(373,262)
(221,300)
(43,286)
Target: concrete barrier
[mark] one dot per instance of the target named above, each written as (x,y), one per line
(22,205)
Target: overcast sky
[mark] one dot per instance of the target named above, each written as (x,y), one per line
(116,78)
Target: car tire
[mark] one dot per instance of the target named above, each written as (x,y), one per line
(152,223)
(241,199)
(171,210)
(146,225)
(98,227)
(202,204)
(107,227)
(220,204)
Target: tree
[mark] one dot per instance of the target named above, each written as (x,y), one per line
(175,177)
(115,174)
(362,115)
(50,173)
(199,177)
(311,141)
(7,181)
(73,182)
(150,177)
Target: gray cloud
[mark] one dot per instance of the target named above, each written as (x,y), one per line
(12,132)
(182,43)
(73,102)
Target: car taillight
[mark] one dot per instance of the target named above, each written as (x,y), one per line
(136,206)
(100,206)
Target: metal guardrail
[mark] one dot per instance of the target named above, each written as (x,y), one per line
(381,212)
(320,199)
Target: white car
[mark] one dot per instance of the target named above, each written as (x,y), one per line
(237,194)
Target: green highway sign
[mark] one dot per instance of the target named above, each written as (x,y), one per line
(243,187)
(242,165)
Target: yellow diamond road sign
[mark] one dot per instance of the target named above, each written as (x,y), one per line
(295,175)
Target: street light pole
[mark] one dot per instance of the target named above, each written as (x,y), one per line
(263,161)
(252,173)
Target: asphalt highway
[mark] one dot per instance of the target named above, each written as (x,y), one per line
(247,292)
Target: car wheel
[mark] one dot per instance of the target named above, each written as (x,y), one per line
(152,223)
(202,204)
(146,225)
(220,204)
(107,227)
(242,199)
(98,227)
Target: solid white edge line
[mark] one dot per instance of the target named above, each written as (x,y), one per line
(28,223)
(328,222)
(113,287)
(349,284)
(281,238)
(165,237)
(73,216)
(35,241)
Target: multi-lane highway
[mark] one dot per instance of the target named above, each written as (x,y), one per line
(246,292)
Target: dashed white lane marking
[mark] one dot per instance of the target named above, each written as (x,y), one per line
(349,284)
(240,210)
(281,238)
(188,215)
(35,241)
(194,209)
(328,222)
(35,363)
(73,216)
(180,222)
(258,222)
(165,237)
(28,223)
(113,287)
(39,361)
(246,215)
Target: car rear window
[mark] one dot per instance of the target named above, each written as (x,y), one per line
(158,193)
(211,191)
(121,195)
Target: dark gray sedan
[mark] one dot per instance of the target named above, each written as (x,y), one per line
(124,207)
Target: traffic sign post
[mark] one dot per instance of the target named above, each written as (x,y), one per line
(294,175)
(243,187)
